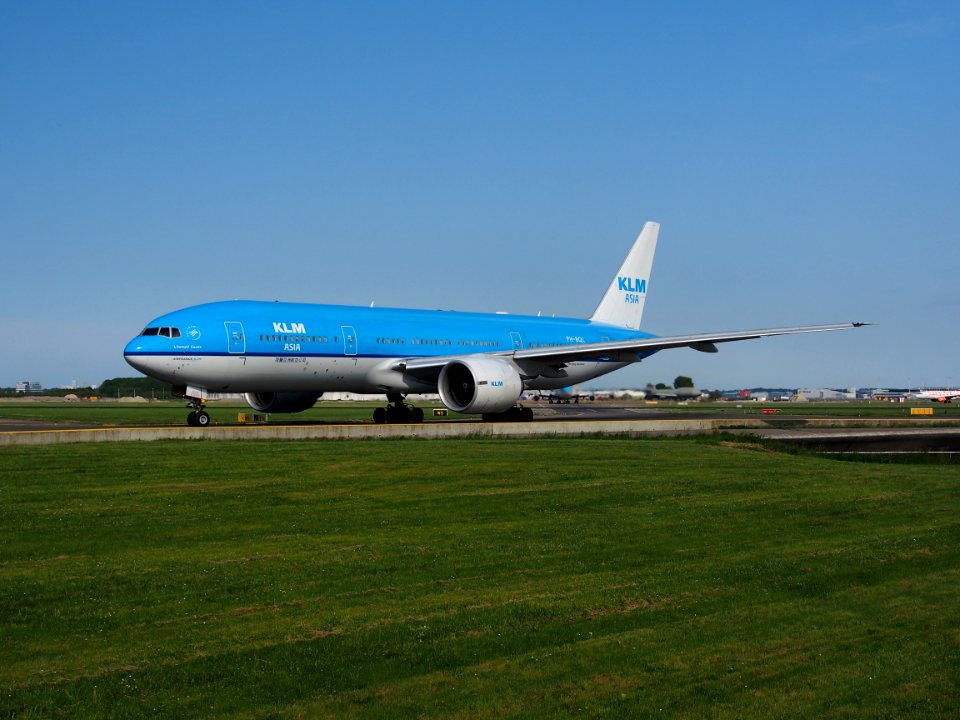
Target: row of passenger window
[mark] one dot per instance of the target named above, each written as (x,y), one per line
(438,341)
(295,338)
(431,341)
(172,332)
(478,343)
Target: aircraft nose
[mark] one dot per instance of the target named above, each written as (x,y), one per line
(131,353)
(133,346)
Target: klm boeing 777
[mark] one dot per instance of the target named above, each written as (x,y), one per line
(284,356)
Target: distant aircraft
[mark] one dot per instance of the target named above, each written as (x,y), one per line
(565,396)
(284,356)
(685,393)
(942,396)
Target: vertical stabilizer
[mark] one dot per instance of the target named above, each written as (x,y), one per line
(623,302)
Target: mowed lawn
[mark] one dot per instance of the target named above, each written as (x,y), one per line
(475,578)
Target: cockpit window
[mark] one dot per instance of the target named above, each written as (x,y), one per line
(170,332)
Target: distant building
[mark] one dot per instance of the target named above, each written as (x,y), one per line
(29,386)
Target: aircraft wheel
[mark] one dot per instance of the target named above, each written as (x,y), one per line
(416,415)
(526,414)
(380,416)
(203,419)
(192,420)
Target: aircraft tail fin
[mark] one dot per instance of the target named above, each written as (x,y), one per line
(623,302)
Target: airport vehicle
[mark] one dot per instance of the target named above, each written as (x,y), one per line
(284,356)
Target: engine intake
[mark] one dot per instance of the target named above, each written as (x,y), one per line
(282,402)
(479,385)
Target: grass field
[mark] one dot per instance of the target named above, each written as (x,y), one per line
(475,578)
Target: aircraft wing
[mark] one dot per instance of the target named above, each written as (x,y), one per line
(704,342)
(620,350)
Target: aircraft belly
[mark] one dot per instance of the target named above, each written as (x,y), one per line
(313,374)
(299,373)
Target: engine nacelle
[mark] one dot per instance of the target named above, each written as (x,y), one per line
(282,402)
(479,385)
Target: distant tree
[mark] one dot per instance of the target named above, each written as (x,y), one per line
(682,381)
(662,386)
(129,387)
(82,392)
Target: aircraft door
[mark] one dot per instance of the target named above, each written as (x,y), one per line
(236,342)
(349,340)
(517,341)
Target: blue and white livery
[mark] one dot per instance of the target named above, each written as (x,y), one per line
(284,356)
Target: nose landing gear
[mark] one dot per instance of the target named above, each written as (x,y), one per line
(198,417)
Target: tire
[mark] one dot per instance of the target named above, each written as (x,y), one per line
(380,416)
(203,419)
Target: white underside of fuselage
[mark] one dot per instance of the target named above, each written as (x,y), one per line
(291,373)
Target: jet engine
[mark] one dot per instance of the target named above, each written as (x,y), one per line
(282,402)
(479,385)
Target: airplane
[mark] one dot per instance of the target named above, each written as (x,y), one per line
(565,396)
(685,393)
(284,356)
(941,396)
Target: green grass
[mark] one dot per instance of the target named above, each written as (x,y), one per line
(837,409)
(475,578)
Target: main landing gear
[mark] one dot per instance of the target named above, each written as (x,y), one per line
(198,417)
(397,411)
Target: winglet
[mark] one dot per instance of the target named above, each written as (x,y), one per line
(623,302)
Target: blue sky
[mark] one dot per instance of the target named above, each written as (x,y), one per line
(802,158)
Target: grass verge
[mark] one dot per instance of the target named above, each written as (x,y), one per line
(475,578)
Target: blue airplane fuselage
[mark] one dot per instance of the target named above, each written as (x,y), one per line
(251,346)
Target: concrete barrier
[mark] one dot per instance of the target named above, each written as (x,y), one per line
(439,430)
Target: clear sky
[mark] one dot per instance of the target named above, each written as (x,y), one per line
(802,158)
